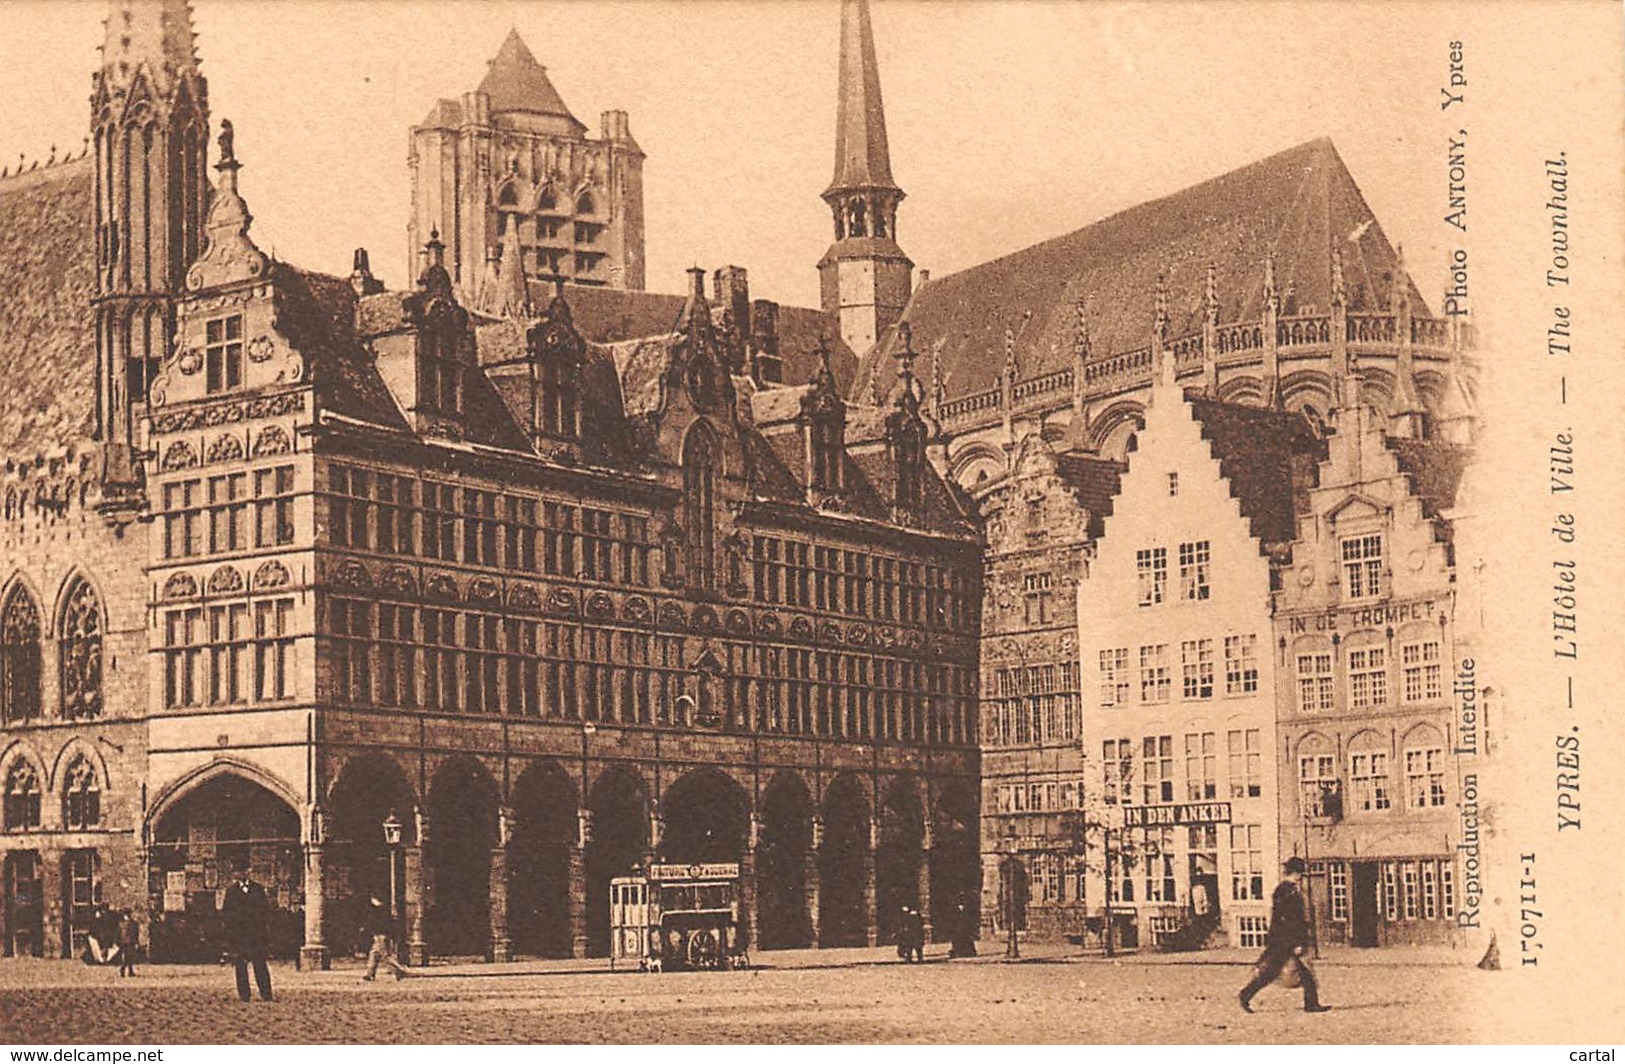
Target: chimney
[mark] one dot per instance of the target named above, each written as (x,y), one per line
(925,276)
(767,367)
(361,278)
(615,126)
(732,290)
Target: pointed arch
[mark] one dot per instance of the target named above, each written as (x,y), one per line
(81,790)
(21,668)
(80,625)
(78,747)
(178,788)
(24,788)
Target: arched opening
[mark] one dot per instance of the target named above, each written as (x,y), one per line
(544,830)
(956,872)
(707,817)
(781,865)
(462,832)
(898,858)
(227,822)
(840,865)
(620,837)
(369,790)
(19,657)
(80,652)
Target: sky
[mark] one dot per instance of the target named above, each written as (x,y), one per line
(1009,123)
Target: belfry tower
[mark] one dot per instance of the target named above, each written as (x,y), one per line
(150,120)
(864,277)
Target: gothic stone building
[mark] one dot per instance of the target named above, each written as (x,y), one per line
(291,555)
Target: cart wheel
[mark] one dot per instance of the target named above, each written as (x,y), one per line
(702,950)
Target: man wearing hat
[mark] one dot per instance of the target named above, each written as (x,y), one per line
(1287,942)
(245,912)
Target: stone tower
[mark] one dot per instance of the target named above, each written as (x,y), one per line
(150,121)
(864,277)
(510,153)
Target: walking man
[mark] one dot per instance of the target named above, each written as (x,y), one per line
(1287,941)
(245,914)
(381,927)
(129,940)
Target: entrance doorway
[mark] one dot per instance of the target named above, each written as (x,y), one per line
(1363,890)
(81,897)
(25,913)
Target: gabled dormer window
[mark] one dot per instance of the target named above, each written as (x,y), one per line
(910,448)
(442,373)
(561,403)
(826,443)
(223,353)
(700,467)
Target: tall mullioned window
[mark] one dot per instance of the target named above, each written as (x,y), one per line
(1368,677)
(1155,681)
(700,475)
(20,657)
(223,353)
(1151,570)
(1240,664)
(79,653)
(1315,682)
(1422,671)
(1196,662)
(1193,571)
(1362,566)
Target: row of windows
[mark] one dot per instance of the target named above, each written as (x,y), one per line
(471,662)
(382,512)
(1421,677)
(79,655)
(1144,866)
(229,654)
(1370,782)
(1048,797)
(1198,676)
(230,512)
(1411,890)
(1032,704)
(1199,753)
(1151,572)
(81,796)
(794,573)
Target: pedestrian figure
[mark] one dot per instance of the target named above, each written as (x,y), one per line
(129,940)
(964,931)
(379,925)
(902,935)
(245,915)
(914,924)
(1287,941)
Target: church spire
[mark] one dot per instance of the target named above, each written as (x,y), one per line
(865,277)
(862,159)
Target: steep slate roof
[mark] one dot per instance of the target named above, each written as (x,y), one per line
(1434,468)
(517,82)
(613,315)
(1298,203)
(1094,481)
(1270,458)
(47,279)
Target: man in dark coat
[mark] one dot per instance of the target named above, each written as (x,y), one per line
(1288,940)
(379,928)
(245,916)
(914,930)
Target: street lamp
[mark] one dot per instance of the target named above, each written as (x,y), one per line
(392,839)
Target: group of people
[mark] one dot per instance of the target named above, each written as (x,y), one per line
(911,933)
(113,935)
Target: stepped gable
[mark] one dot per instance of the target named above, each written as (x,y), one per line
(1094,482)
(47,336)
(1270,459)
(1298,204)
(1434,469)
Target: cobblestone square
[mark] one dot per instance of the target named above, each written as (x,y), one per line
(846,996)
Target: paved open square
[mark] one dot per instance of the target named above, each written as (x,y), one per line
(829,996)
